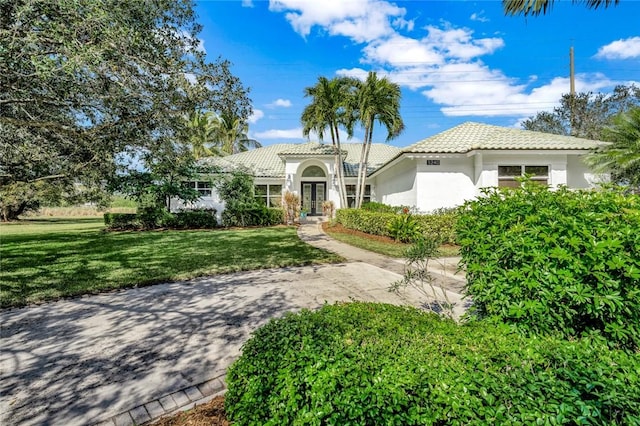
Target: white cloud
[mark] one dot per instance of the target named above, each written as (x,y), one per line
(479,17)
(502,96)
(360,20)
(358,73)
(442,61)
(401,51)
(620,49)
(257,115)
(297,134)
(283,103)
(458,43)
(280,134)
(247,3)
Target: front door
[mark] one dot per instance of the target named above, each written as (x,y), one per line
(313,195)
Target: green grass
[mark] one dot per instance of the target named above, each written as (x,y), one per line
(44,259)
(391,249)
(387,248)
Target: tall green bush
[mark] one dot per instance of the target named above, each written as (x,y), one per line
(375,364)
(555,261)
(241,208)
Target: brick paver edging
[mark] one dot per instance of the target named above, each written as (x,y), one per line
(181,400)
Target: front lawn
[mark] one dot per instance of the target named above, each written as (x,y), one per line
(44,259)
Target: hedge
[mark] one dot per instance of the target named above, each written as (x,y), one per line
(251,214)
(192,219)
(375,223)
(121,220)
(365,363)
(440,226)
(555,261)
(153,218)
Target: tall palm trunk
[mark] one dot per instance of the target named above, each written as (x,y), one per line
(339,165)
(362,168)
(365,163)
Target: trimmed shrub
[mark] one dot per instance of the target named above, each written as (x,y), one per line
(555,261)
(364,363)
(439,226)
(253,214)
(193,219)
(365,221)
(121,220)
(152,217)
(374,206)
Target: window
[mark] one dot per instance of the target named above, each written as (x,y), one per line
(351,195)
(313,171)
(507,175)
(204,188)
(269,195)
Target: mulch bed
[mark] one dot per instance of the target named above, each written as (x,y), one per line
(209,414)
(339,229)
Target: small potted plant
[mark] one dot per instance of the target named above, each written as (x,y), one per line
(303,212)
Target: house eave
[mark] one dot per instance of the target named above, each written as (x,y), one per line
(539,151)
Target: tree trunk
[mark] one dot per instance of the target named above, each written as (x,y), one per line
(362,167)
(339,167)
(365,163)
(364,173)
(11,213)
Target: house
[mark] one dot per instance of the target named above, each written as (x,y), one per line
(441,171)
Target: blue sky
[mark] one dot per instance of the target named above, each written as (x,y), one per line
(455,61)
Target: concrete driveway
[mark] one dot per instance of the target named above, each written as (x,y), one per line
(84,360)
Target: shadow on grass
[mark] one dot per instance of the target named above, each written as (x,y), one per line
(75,361)
(45,266)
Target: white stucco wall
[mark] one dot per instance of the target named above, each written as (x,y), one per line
(294,167)
(580,176)
(448,184)
(396,186)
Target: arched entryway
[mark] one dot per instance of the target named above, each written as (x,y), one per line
(313,189)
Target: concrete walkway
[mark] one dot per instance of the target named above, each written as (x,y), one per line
(444,270)
(129,356)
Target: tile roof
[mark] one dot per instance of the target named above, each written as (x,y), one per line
(470,136)
(269,161)
(310,148)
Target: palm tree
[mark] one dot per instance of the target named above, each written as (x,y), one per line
(232,135)
(203,134)
(329,109)
(377,100)
(622,156)
(536,7)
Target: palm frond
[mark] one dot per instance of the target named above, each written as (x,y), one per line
(537,7)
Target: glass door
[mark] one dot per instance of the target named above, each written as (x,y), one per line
(319,198)
(306,197)
(313,195)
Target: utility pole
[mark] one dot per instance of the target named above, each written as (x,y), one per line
(572,74)
(572,90)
